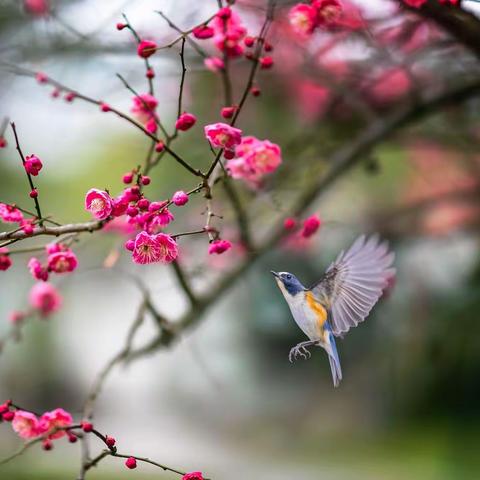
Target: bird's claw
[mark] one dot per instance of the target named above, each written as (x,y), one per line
(300,350)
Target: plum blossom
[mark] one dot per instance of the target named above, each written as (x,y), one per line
(98,203)
(203,32)
(144,107)
(25,424)
(228,32)
(255,159)
(36,7)
(223,135)
(214,64)
(310,226)
(62,261)
(185,121)
(5,260)
(10,214)
(193,476)
(146,48)
(154,248)
(180,198)
(38,271)
(32,165)
(219,246)
(45,298)
(303,19)
(50,421)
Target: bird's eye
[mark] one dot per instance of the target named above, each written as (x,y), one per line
(289,277)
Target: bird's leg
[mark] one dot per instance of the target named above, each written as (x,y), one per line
(301,350)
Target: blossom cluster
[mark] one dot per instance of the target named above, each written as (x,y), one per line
(249,158)
(60,259)
(50,425)
(306,18)
(12,214)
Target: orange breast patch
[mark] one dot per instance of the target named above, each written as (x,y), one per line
(319,310)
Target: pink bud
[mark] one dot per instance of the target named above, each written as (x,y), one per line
(146,180)
(150,73)
(219,246)
(15,317)
(180,198)
(8,416)
(249,41)
(87,426)
(47,445)
(121,26)
(41,77)
(255,91)
(159,147)
(32,165)
(33,193)
(229,154)
(131,463)
(203,32)
(224,13)
(4,407)
(127,178)
(105,107)
(71,437)
(289,223)
(3,142)
(266,62)
(228,112)
(146,48)
(143,204)
(268,47)
(185,121)
(55,93)
(155,206)
(110,441)
(5,260)
(69,97)
(130,245)
(310,226)
(132,211)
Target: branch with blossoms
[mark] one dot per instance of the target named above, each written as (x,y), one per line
(241,169)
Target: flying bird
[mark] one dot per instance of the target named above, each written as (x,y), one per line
(342,299)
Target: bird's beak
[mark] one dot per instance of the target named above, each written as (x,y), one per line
(275,274)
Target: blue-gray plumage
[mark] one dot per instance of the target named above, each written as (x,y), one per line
(340,300)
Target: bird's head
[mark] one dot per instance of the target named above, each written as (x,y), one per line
(288,283)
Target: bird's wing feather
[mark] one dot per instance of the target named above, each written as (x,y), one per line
(355,281)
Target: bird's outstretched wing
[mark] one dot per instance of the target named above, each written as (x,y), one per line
(355,281)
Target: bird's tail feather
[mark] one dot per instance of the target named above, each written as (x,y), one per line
(334,362)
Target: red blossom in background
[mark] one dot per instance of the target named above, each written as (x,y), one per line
(310,226)
(45,298)
(219,246)
(37,7)
(5,261)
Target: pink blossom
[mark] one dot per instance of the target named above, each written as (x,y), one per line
(50,421)
(229,32)
(203,32)
(38,271)
(32,165)
(328,11)
(25,424)
(219,246)
(223,135)
(255,158)
(98,203)
(303,19)
(390,86)
(45,298)
(153,222)
(10,214)
(214,64)
(310,226)
(154,248)
(415,3)
(5,260)
(180,198)
(193,476)
(36,7)
(144,107)
(146,48)
(62,262)
(185,121)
